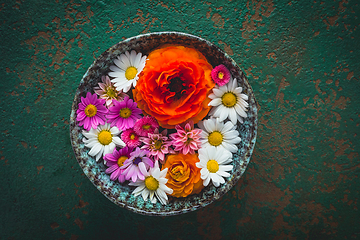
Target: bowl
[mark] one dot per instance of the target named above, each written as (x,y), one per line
(120,194)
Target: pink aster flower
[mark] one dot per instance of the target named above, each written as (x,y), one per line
(221,75)
(123,114)
(91,112)
(130,138)
(145,125)
(131,165)
(157,144)
(186,140)
(107,91)
(114,161)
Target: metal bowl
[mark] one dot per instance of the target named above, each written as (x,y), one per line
(120,194)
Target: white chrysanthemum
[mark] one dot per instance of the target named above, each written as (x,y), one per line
(219,134)
(153,184)
(126,70)
(102,140)
(228,101)
(213,165)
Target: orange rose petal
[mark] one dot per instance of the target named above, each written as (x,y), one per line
(156,99)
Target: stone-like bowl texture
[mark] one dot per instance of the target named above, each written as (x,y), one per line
(120,194)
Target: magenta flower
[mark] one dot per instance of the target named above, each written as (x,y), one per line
(186,140)
(145,125)
(123,114)
(107,91)
(221,75)
(91,111)
(130,138)
(131,165)
(157,144)
(114,161)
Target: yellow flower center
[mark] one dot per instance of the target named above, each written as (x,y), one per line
(151,183)
(158,144)
(215,138)
(229,99)
(221,75)
(146,127)
(130,73)
(132,136)
(125,113)
(110,91)
(90,110)
(121,160)
(105,137)
(212,166)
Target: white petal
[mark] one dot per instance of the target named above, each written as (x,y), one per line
(218,92)
(124,58)
(119,64)
(95,150)
(230,147)
(206,181)
(232,116)
(225,168)
(118,141)
(215,102)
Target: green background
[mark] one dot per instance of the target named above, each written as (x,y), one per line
(302,61)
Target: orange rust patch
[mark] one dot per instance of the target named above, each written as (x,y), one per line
(350,75)
(340,103)
(25,145)
(79,223)
(54,225)
(227,48)
(218,20)
(39,169)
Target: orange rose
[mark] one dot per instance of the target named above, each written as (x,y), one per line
(183,175)
(174,85)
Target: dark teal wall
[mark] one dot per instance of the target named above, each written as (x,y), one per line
(302,61)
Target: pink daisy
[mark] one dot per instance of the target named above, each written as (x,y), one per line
(157,144)
(107,91)
(145,125)
(123,114)
(130,138)
(91,112)
(186,140)
(131,165)
(221,75)
(116,160)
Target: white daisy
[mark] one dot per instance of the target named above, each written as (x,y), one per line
(229,102)
(102,140)
(126,70)
(219,134)
(153,184)
(213,165)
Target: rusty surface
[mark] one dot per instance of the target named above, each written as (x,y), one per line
(302,61)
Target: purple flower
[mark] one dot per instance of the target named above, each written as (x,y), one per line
(91,111)
(116,160)
(123,114)
(131,166)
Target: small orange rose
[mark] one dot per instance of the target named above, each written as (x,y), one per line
(174,85)
(183,175)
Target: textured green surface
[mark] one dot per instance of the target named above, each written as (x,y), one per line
(302,60)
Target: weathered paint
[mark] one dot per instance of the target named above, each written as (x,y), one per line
(301,59)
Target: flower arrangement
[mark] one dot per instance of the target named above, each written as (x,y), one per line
(164,124)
